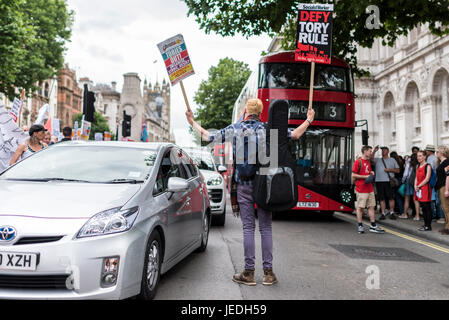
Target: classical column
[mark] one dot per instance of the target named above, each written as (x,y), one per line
(384,125)
(401,123)
(429,130)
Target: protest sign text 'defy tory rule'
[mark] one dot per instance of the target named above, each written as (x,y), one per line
(314,33)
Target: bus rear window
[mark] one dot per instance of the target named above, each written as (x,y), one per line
(297,76)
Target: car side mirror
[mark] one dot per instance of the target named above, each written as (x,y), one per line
(222,169)
(176,184)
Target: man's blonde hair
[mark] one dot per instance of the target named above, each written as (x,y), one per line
(254,106)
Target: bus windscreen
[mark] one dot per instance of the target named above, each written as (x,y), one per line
(323,156)
(297,76)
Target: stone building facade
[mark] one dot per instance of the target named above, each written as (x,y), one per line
(70,97)
(406,98)
(110,103)
(157,111)
(150,105)
(131,102)
(47,92)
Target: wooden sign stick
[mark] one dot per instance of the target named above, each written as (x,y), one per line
(312,79)
(185,96)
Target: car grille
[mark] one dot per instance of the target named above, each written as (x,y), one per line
(216,195)
(33,282)
(34,240)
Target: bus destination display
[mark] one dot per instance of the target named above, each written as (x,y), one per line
(324,111)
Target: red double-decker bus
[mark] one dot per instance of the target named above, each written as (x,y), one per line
(324,154)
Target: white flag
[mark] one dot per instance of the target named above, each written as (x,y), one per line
(10,137)
(43,114)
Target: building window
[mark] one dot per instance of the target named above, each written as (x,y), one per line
(441,101)
(411,98)
(46,90)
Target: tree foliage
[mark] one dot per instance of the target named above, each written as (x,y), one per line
(216,95)
(33,34)
(256,17)
(100,124)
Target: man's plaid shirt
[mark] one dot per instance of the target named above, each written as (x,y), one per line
(236,133)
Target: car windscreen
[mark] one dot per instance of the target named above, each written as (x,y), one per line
(297,76)
(203,161)
(98,164)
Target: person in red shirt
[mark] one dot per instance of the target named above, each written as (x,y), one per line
(365,191)
(423,192)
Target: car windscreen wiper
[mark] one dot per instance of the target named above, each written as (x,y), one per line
(47,179)
(124,181)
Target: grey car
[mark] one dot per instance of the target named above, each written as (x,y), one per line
(99,220)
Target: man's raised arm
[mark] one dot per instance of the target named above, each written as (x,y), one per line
(201,131)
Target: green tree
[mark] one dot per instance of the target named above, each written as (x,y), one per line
(100,124)
(228,17)
(33,34)
(216,95)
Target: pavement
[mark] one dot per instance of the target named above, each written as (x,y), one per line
(410,227)
(315,257)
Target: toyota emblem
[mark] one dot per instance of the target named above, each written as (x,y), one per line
(7,233)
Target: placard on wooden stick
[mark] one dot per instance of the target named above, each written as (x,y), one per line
(177,61)
(314,37)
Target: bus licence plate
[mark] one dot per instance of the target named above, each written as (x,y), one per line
(308,205)
(18,261)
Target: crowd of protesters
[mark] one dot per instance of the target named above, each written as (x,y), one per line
(40,138)
(411,187)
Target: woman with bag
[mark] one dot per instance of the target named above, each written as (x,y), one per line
(408,181)
(423,191)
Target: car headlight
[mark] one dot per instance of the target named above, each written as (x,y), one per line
(215,181)
(109,221)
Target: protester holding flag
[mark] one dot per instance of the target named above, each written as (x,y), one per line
(144,137)
(32,145)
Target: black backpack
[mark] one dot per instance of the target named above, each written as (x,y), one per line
(277,190)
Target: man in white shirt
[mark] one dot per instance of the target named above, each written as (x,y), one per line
(385,168)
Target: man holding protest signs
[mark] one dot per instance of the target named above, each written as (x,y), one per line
(253,125)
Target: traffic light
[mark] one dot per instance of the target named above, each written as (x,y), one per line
(365,137)
(88,104)
(126,125)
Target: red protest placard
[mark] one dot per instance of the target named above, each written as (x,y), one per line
(314,33)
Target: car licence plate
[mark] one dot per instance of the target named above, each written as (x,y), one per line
(18,261)
(308,205)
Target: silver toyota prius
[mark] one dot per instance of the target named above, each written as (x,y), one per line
(99,220)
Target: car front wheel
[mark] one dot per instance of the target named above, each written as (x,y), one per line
(219,220)
(152,267)
(204,233)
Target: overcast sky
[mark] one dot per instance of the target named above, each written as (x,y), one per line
(113,37)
